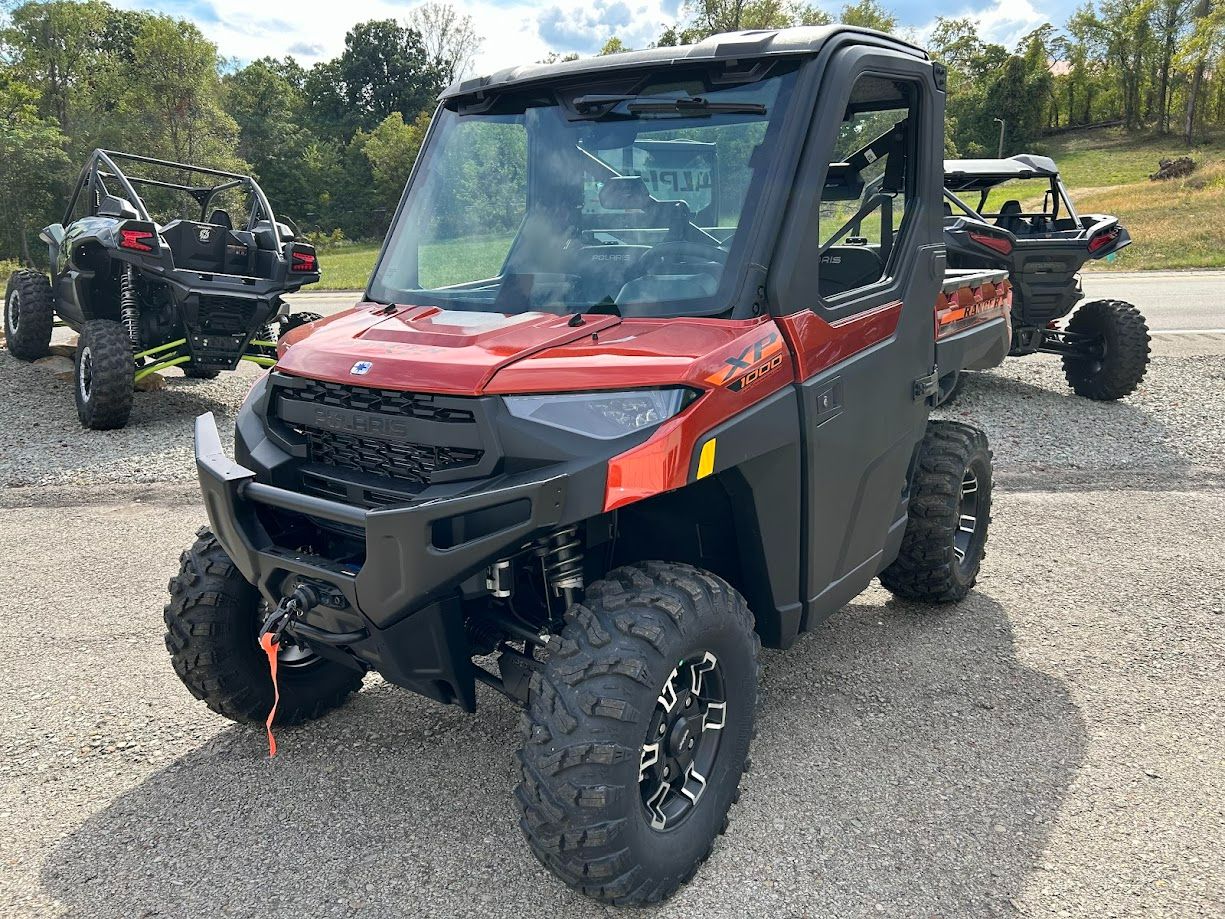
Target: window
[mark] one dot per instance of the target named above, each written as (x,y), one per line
(869,185)
(627,202)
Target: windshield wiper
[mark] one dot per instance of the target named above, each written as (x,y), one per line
(599,106)
(692,105)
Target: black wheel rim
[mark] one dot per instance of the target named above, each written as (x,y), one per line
(683,740)
(969,522)
(85,375)
(12,311)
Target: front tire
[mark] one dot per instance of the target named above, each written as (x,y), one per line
(29,314)
(947,518)
(104,374)
(637,732)
(1125,349)
(212,626)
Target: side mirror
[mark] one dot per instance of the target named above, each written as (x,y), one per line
(52,235)
(112,206)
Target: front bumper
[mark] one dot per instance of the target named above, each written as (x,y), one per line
(400,613)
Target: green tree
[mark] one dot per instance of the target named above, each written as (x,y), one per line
(32,156)
(383,69)
(391,150)
(868,14)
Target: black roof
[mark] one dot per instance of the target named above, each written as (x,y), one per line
(728,46)
(975,175)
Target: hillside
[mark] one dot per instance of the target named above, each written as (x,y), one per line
(1175,224)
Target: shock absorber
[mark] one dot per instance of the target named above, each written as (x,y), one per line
(129,305)
(561,562)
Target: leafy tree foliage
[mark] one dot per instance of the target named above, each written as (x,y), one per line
(333,143)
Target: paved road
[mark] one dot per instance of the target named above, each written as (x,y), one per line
(1170,299)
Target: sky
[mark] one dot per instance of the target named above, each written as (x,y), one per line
(522,31)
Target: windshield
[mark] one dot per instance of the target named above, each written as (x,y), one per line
(560,202)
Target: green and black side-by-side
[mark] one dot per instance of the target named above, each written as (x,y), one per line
(641,382)
(201,291)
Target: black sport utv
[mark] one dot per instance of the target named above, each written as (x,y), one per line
(1105,345)
(145,296)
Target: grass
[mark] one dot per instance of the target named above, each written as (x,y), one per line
(348,267)
(1174,224)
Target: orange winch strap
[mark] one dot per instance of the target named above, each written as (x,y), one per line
(268,642)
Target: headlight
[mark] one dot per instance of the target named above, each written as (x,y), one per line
(602,415)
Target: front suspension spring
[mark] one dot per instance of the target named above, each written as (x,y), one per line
(561,559)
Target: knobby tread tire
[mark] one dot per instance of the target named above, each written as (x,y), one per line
(110,398)
(211,624)
(1127,350)
(926,568)
(586,720)
(36,315)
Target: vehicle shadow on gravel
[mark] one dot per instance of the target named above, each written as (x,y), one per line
(906,764)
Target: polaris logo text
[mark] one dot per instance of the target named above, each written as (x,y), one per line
(353,423)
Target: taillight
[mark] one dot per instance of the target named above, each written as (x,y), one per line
(1001,244)
(303,261)
(136,240)
(1103,239)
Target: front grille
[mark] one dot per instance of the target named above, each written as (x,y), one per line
(226,315)
(414,464)
(381,401)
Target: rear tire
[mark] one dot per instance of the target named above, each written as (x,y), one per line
(29,314)
(296,320)
(940,558)
(596,809)
(104,375)
(212,625)
(1124,362)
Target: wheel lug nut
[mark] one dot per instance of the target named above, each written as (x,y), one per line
(690,743)
(667,771)
(662,728)
(689,702)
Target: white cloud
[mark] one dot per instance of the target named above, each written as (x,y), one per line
(514,31)
(1004,22)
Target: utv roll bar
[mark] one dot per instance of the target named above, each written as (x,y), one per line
(102,165)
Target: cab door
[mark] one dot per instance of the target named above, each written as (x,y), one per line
(855,285)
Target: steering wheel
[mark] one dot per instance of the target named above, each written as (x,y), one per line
(680,250)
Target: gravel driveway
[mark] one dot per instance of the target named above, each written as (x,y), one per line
(1049,747)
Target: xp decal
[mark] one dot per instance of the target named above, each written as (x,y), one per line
(750,365)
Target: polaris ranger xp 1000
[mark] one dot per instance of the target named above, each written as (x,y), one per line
(591,445)
(145,295)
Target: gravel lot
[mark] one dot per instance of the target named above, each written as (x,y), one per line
(1050,747)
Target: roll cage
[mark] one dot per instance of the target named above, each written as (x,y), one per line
(102,166)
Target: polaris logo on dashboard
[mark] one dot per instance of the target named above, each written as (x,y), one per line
(355,423)
(361,368)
